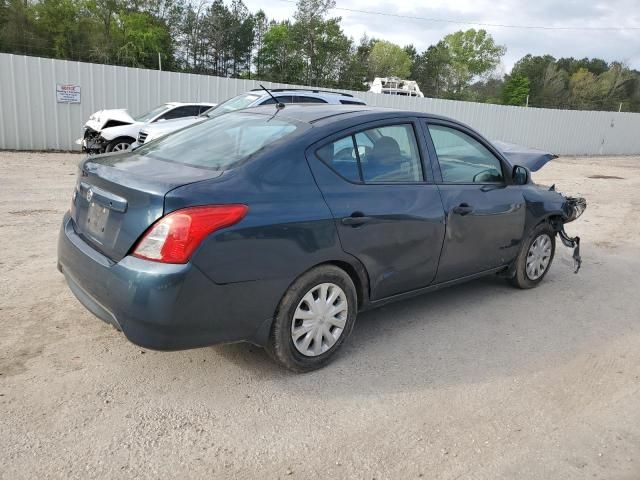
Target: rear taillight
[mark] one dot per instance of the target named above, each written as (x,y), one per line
(174,237)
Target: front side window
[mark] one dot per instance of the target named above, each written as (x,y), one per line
(463,159)
(222,142)
(386,154)
(181,112)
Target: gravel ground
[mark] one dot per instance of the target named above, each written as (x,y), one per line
(479,381)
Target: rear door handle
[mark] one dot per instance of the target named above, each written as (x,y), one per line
(356,219)
(463,209)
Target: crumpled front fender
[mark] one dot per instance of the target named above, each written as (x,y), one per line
(121,131)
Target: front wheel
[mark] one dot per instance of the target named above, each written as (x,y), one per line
(535,258)
(119,145)
(315,316)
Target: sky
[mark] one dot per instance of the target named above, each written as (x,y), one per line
(620,45)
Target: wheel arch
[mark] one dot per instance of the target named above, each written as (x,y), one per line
(120,139)
(353,269)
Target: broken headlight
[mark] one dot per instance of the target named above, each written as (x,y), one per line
(574,207)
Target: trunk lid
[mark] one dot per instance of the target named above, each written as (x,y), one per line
(118,196)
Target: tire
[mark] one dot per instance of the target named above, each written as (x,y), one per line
(295,303)
(118,144)
(546,248)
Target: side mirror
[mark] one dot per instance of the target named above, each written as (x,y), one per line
(520,175)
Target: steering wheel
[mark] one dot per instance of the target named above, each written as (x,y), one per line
(344,154)
(366,150)
(347,153)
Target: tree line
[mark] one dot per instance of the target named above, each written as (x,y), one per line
(224,38)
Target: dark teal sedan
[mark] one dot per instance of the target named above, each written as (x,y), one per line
(277,225)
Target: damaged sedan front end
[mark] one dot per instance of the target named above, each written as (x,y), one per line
(573,207)
(568,208)
(116,130)
(91,141)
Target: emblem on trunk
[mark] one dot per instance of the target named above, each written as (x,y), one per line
(89,195)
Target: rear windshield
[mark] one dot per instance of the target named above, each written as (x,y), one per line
(222,142)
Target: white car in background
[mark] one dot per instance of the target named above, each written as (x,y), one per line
(115,130)
(252,98)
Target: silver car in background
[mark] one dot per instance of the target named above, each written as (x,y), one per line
(252,98)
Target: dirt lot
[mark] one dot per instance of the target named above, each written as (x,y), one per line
(480,381)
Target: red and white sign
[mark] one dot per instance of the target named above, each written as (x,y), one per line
(67,93)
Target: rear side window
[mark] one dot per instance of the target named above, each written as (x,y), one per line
(463,159)
(280,99)
(341,156)
(309,100)
(222,142)
(386,154)
(351,102)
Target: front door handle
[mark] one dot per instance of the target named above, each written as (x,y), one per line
(463,209)
(356,219)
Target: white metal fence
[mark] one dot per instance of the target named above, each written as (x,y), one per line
(32,119)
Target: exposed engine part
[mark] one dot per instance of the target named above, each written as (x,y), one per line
(572,242)
(573,207)
(92,143)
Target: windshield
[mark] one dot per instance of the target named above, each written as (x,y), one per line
(145,117)
(222,142)
(235,103)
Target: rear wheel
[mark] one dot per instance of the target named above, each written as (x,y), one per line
(119,144)
(535,258)
(315,316)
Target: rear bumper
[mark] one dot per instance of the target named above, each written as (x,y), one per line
(158,306)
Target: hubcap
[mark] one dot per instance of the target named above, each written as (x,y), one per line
(319,319)
(119,147)
(538,256)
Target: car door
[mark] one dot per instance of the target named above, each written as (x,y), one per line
(387,214)
(484,211)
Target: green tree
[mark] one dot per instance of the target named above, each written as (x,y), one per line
(516,90)
(261,26)
(487,91)
(582,89)
(242,25)
(388,60)
(102,18)
(58,24)
(354,75)
(280,58)
(140,38)
(321,44)
(554,92)
(571,65)
(615,86)
(432,70)
(534,68)
(473,54)
(18,33)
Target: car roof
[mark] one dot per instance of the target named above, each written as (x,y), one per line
(180,104)
(323,114)
(302,91)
